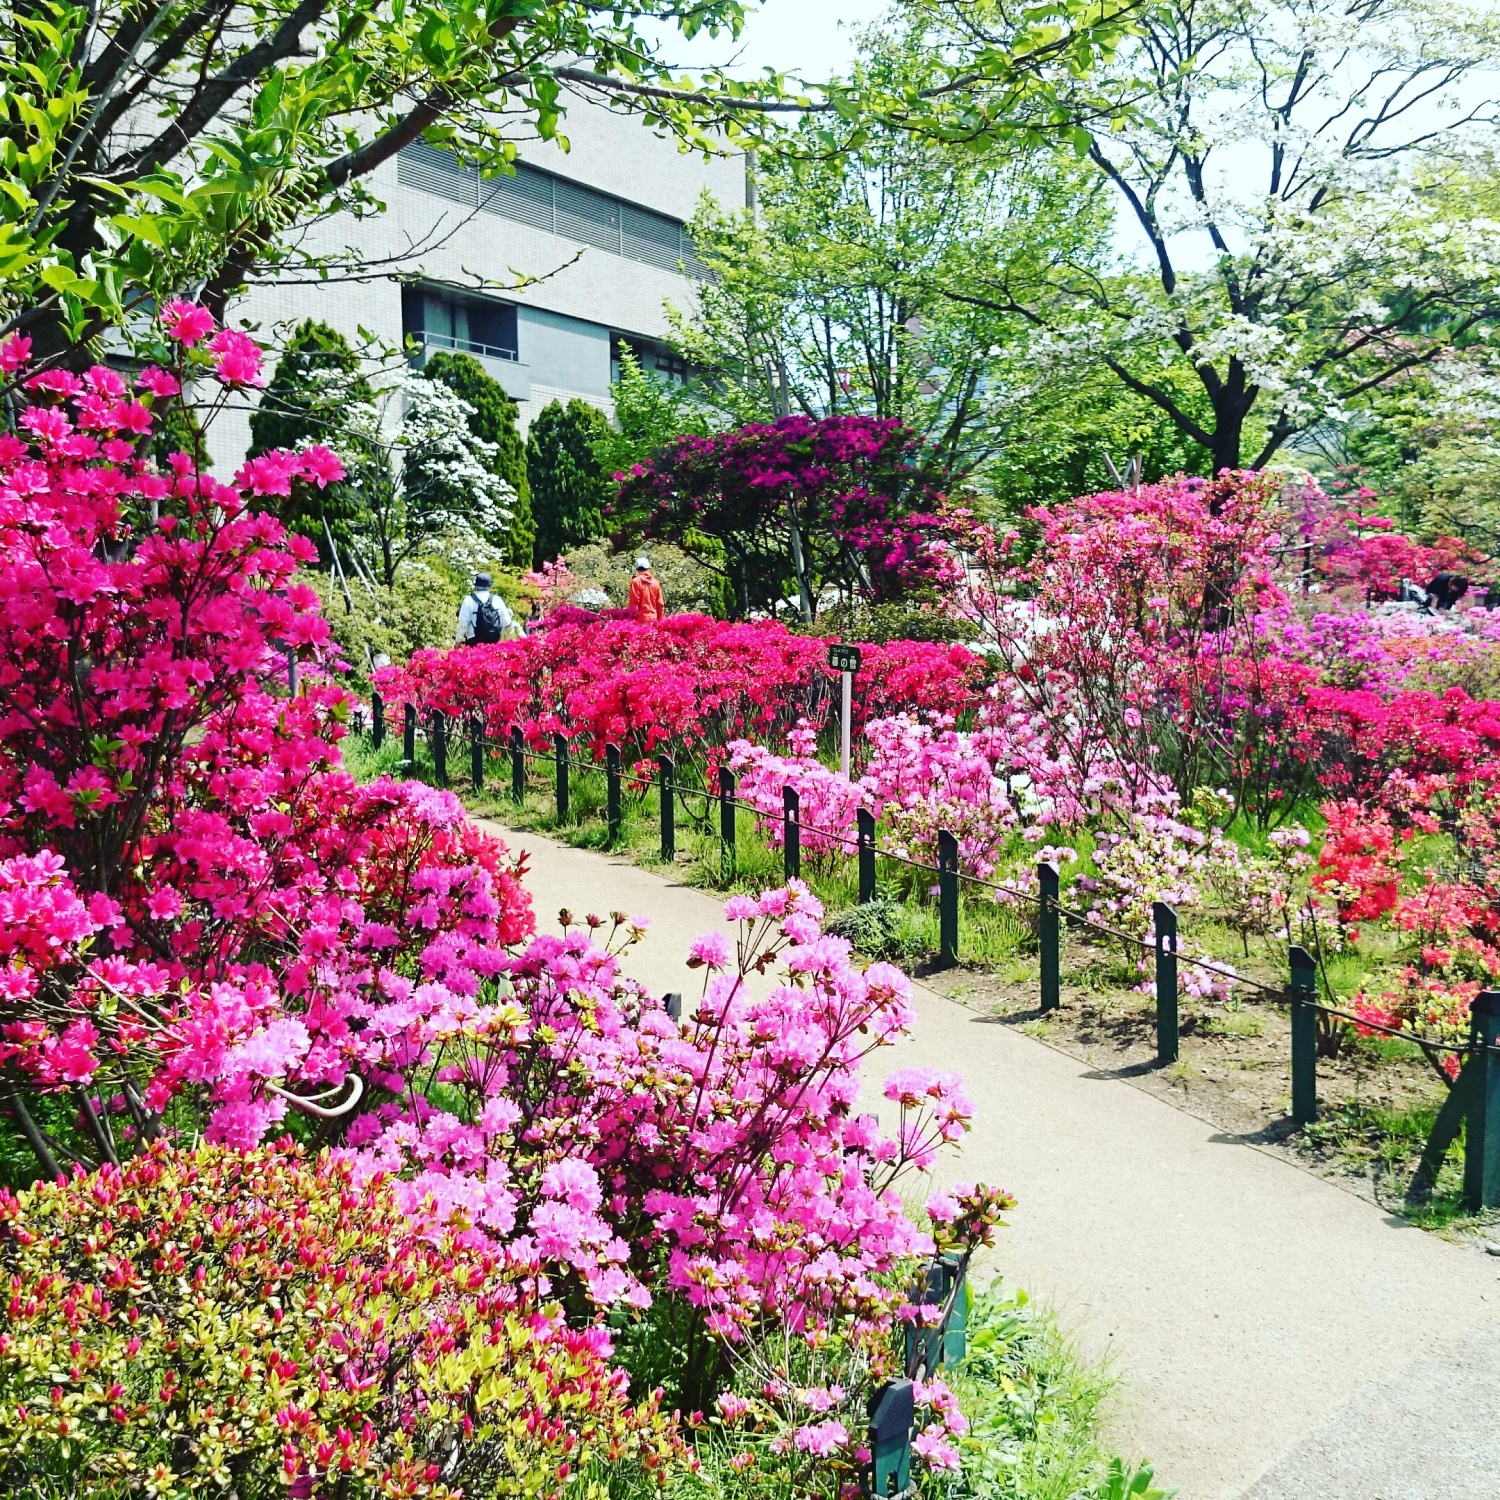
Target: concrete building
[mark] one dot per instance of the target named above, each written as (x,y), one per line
(588,244)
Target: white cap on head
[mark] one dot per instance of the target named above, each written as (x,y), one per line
(643,563)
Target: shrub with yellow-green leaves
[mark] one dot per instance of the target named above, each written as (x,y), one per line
(209,1322)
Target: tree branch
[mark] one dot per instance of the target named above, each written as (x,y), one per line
(206,102)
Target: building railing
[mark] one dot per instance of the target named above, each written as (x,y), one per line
(469,346)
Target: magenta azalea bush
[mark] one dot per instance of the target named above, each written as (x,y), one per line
(864,506)
(210,932)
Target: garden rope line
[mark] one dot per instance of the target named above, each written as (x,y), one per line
(1473,1104)
(1067,914)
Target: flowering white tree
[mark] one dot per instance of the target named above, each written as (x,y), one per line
(1299,173)
(426,482)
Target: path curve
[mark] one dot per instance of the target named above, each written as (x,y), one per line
(1275,1337)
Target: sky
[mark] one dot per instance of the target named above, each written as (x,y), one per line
(811,38)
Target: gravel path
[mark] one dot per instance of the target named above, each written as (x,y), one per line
(1275,1337)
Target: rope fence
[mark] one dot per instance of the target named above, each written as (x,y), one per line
(1474,1097)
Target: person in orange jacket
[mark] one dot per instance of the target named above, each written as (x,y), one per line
(646,601)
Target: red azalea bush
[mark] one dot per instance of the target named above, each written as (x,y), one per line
(686,682)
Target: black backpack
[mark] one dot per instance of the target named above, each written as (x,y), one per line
(487,626)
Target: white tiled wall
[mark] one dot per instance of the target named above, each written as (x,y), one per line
(571,298)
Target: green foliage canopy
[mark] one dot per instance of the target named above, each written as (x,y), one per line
(306,401)
(569,487)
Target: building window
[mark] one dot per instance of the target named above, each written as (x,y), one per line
(439,318)
(654,359)
(561,207)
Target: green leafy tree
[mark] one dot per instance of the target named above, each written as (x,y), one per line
(309,399)
(838,295)
(828,298)
(494,421)
(569,487)
(649,413)
(152,147)
(1301,197)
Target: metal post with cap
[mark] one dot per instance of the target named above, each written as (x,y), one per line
(1482,1131)
(864,821)
(726,814)
(1302,994)
(947,898)
(666,771)
(438,738)
(1164,921)
(560,776)
(1049,937)
(892,1415)
(613,769)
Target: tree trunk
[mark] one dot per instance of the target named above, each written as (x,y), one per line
(1229,428)
(803,591)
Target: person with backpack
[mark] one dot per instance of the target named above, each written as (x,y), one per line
(483,618)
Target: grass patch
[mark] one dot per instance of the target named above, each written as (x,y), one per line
(1388,1144)
(1235,1023)
(1034,1405)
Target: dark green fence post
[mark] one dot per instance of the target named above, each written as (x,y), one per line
(1304,988)
(865,842)
(667,779)
(440,748)
(726,811)
(517,764)
(409,735)
(377,720)
(791,833)
(476,753)
(1048,935)
(892,1412)
(1164,920)
(612,769)
(929,1346)
(1482,1137)
(560,758)
(947,852)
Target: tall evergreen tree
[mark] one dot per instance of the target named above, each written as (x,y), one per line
(494,420)
(569,488)
(316,382)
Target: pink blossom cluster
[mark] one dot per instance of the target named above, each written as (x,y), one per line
(985,785)
(580,1124)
